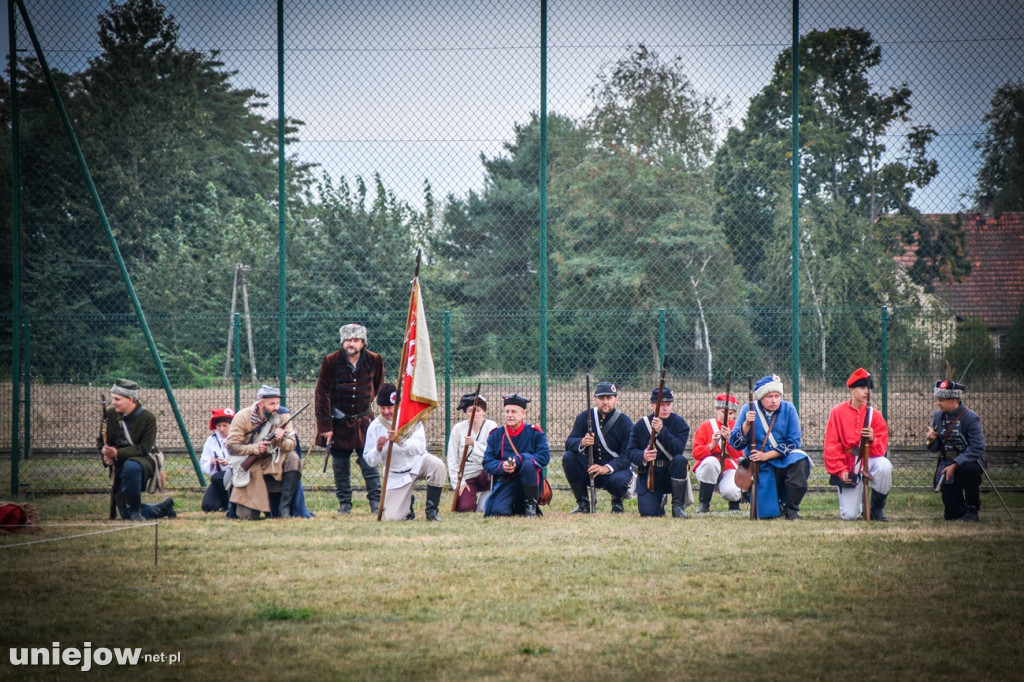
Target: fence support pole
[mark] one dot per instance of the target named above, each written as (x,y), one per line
(795,204)
(885,362)
(543,215)
(447,375)
(282,209)
(26,361)
(237,363)
(15,249)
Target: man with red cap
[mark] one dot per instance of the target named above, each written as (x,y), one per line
(843,436)
(711,468)
(214,460)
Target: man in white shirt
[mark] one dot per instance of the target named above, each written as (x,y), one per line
(472,434)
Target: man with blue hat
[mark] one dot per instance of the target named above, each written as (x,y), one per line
(610,440)
(667,457)
(772,431)
(515,458)
(956,433)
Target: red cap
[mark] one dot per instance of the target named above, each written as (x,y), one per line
(220,415)
(860,376)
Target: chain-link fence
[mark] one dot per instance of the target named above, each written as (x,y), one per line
(665,235)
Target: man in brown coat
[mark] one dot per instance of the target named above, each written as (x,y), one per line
(349,380)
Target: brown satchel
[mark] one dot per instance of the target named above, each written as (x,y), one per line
(545,487)
(745,475)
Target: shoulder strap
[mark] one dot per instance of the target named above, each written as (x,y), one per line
(768,437)
(509,439)
(949,429)
(600,431)
(661,448)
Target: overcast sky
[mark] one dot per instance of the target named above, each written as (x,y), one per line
(417,90)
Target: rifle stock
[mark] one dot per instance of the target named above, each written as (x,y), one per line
(104,426)
(754,466)
(865,453)
(465,447)
(590,453)
(725,422)
(657,411)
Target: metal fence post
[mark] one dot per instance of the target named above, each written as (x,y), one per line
(447,375)
(15,247)
(795,204)
(885,362)
(543,189)
(282,210)
(237,369)
(26,363)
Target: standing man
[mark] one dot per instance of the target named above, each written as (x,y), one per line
(131,437)
(349,379)
(262,457)
(843,435)
(410,461)
(471,433)
(956,433)
(772,429)
(214,460)
(610,440)
(515,458)
(712,469)
(667,457)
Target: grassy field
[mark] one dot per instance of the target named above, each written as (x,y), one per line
(565,597)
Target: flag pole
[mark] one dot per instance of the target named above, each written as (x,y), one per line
(401,378)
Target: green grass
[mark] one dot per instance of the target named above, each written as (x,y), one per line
(564,597)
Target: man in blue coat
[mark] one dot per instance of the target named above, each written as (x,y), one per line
(956,433)
(783,467)
(667,457)
(515,458)
(610,440)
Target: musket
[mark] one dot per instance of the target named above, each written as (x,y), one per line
(865,453)
(273,450)
(103,441)
(725,422)
(465,447)
(590,452)
(754,466)
(650,445)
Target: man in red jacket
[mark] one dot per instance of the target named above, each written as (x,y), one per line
(710,467)
(843,436)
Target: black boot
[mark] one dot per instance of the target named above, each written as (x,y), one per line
(704,497)
(412,512)
(878,506)
(433,502)
(617,507)
(166,509)
(734,506)
(679,486)
(341,466)
(582,494)
(289,486)
(530,506)
(371,476)
(971,515)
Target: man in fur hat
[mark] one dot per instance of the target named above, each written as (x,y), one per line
(214,460)
(349,379)
(671,475)
(262,457)
(471,433)
(515,458)
(410,461)
(772,430)
(843,435)
(711,468)
(956,433)
(610,441)
(131,437)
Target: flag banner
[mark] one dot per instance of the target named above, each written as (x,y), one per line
(419,388)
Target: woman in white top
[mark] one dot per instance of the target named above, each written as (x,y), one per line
(476,483)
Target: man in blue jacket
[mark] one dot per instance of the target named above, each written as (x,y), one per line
(667,457)
(610,440)
(515,458)
(956,433)
(775,448)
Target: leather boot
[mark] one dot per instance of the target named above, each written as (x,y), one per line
(971,515)
(165,510)
(135,516)
(531,508)
(704,497)
(433,502)
(582,495)
(289,485)
(412,512)
(878,506)
(679,486)
(617,507)
(734,506)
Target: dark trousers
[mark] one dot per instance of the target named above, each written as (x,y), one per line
(574,464)
(963,491)
(791,483)
(509,496)
(648,502)
(474,486)
(341,462)
(216,497)
(132,478)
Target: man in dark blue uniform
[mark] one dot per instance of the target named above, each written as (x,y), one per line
(956,433)
(610,438)
(667,458)
(515,458)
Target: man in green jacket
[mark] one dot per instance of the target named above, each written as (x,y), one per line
(130,437)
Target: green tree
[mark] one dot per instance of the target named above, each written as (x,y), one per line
(1001,175)
(973,348)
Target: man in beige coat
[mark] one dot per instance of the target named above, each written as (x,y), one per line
(262,457)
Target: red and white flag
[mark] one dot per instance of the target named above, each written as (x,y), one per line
(419,388)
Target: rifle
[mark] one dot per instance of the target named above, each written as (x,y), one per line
(103,441)
(754,466)
(865,453)
(269,438)
(590,452)
(725,422)
(465,447)
(650,445)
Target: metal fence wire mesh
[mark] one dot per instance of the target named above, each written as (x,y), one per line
(665,234)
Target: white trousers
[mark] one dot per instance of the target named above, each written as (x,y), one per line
(709,470)
(851,500)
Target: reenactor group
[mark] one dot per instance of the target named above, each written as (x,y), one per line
(747,452)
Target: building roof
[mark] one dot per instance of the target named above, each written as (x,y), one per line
(995,288)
